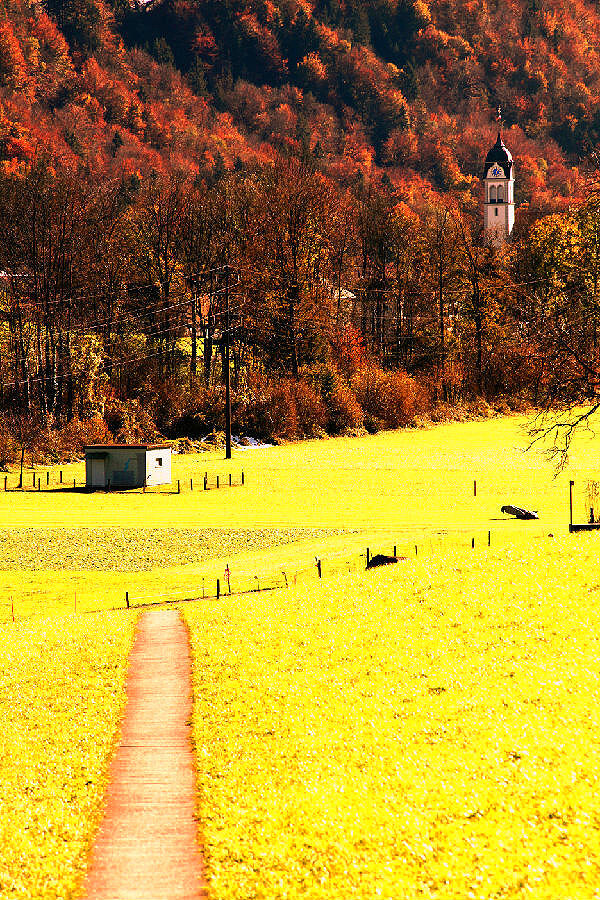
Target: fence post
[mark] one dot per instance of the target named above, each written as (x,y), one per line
(60,477)
(218,588)
(242,477)
(33,482)
(571,483)
(368,557)
(230,479)
(73,484)
(127,598)
(395,554)
(474,488)
(489,538)
(47,478)
(472,543)
(178,486)
(5,482)
(191,484)
(416,550)
(206,482)
(217,481)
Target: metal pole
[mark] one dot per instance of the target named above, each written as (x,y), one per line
(571,483)
(227,373)
(193,367)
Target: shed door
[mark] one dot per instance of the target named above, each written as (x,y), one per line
(98,475)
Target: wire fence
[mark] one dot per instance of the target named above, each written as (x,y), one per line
(211,587)
(44,482)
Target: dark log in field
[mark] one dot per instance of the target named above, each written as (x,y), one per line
(519,513)
(381,560)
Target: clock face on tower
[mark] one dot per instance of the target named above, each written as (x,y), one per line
(496,172)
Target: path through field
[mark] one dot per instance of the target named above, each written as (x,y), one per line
(147,845)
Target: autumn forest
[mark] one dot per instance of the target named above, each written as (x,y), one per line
(295,185)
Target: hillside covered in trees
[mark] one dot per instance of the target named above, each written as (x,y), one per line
(365,87)
(319,163)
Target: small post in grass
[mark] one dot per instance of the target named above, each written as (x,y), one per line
(242,477)
(47,478)
(489,538)
(178,486)
(33,481)
(5,482)
(368,557)
(191,484)
(571,483)
(395,554)
(230,479)
(217,481)
(474,488)
(472,543)
(218,588)
(127,599)
(205,481)
(60,477)
(416,550)
(73,484)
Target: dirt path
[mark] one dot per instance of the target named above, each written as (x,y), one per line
(147,846)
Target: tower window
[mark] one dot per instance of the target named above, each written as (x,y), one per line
(492,194)
(500,194)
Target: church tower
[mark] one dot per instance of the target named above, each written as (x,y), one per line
(499,199)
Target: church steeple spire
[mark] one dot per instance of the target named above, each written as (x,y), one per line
(499,199)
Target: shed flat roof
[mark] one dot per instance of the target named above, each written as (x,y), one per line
(127,447)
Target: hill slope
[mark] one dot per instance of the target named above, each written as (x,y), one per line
(366,87)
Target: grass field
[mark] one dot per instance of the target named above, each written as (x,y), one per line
(61,695)
(425,732)
(327,498)
(422,732)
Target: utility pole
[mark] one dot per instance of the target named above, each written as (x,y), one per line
(227,373)
(194,364)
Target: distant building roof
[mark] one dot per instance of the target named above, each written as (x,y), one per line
(499,154)
(127,447)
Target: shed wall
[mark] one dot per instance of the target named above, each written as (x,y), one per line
(158,466)
(125,468)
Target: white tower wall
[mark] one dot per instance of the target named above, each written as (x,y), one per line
(499,197)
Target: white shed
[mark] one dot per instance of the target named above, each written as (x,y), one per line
(127,465)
